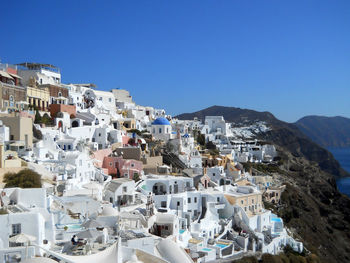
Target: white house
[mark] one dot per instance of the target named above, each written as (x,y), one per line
(120,191)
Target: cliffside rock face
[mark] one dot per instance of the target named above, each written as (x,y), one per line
(314,209)
(311,206)
(326,131)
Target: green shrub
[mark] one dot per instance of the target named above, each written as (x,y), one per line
(25,178)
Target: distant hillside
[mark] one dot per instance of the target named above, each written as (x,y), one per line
(231,114)
(283,134)
(311,205)
(326,131)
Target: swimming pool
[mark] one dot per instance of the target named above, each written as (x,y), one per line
(221,245)
(181,231)
(71,226)
(276,219)
(206,249)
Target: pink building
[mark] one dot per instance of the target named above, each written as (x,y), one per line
(112,164)
(127,168)
(99,155)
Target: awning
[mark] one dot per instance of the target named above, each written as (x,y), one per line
(15,75)
(5,74)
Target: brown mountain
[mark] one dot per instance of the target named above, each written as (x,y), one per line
(311,206)
(326,131)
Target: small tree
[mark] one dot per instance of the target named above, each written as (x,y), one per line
(201,139)
(210,145)
(46,119)
(25,178)
(37,119)
(136,177)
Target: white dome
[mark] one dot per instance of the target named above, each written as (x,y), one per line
(109,211)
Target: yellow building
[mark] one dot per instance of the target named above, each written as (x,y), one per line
(247,198)
(39,97)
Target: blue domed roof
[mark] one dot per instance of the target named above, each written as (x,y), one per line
(161,121)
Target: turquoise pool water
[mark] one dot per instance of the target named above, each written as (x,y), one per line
(206,249)
(221,245)
(276,219)
(75,226)
(182,231)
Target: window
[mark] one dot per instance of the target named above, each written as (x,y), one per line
(59,94)
(116,164)
(109,99)
(166,227)
(110,164)
(154,130)
(213,174)
(178,203)
(218,199)
(252,201)
(163,203)
(125,189)
(132,165)
(11,101)
(242,202)
(69,147)
(16,229)
(189,200)
(160,130)
(126,175)
(195,199)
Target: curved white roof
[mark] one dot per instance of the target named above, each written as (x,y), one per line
(38,260)
(109,255)
(109,211)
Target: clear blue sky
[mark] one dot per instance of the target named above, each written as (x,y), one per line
(291,58)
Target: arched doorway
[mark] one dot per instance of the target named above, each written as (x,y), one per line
(75,124)
(60,124)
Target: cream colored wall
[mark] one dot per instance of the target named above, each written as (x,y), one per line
(14,163)
(19,128)
(2,156)
(43,94)
(247,200)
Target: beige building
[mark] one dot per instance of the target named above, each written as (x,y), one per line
(21,129)
(38,97)
(246,197)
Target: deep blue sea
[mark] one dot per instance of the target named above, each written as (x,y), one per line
(343,157)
